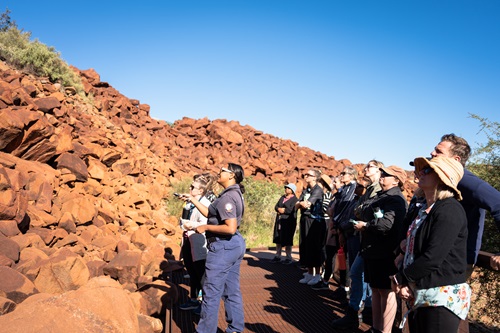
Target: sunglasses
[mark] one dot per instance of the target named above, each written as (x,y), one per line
(192,187)
(426,170)
(309,175)
(225,170)
(385,174)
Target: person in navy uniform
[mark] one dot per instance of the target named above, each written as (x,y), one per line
(226,248)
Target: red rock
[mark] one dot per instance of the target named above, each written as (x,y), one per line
(47,104)
(61,272)
(125,267)
(8,228)
(92,308)
(6,305)
(15,286)
(74,164)
(9,248)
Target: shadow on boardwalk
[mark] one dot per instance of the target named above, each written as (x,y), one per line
(274,300)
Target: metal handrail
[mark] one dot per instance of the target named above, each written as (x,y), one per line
(483,260)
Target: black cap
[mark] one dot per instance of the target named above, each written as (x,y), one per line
(413,164)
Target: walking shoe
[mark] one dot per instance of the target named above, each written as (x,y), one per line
(316,278)
(189,305)
(321,285)
(276,259)
(349,321)
(197,311)
(307,277)
(287,261)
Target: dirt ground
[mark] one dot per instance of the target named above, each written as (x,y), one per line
(484,314)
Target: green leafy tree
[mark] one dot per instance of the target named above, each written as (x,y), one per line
(485,163)
(5,21)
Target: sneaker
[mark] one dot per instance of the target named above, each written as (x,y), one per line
(276,259)
(287,261)
(197,311)
(189,305)
(315,279)
(307,277)
(321,285)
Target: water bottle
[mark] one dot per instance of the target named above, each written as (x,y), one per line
(186,212)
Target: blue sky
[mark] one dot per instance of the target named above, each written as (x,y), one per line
(351,79)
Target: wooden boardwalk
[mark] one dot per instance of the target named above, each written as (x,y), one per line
(274,300)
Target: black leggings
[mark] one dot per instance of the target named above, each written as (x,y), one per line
(433,319)
(195,269)
(330,255)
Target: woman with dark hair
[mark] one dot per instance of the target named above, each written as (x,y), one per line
(433,278)
(312,227)
(285,224)
(226,248)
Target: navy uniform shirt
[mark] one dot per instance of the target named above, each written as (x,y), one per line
(229,205)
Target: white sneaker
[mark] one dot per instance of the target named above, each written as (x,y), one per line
(315,279)
(307,277)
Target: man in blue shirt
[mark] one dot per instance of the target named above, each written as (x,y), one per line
(478,197)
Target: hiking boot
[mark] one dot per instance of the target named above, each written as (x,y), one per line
(321,285)
(349,321)
(189,305)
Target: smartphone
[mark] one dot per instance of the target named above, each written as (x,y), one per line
(353,221)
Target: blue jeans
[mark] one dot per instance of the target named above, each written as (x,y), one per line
(222,281)
(360,290)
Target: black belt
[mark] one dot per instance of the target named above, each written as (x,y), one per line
(217,238)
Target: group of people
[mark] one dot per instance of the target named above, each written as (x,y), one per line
(413,257)
(416,257)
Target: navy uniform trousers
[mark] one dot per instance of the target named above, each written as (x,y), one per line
(222,281)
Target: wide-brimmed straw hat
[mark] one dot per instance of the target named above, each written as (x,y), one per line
(449,170)
(397,172)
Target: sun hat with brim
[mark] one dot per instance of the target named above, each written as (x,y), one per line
(292,187)
(397,172)
(449,170)
(327,181)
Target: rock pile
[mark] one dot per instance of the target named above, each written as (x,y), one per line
(83,179)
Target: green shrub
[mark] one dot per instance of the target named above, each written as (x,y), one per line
(34,57)
(258,221)
(174,205)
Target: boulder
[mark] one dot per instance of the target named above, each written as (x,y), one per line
(92,308)
(61,272)
(15,286)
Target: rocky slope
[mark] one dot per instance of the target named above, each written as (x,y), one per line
(83,223)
